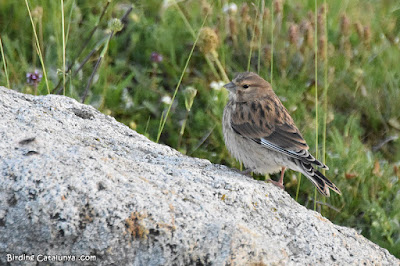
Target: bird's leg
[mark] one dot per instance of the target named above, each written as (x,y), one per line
(280,182)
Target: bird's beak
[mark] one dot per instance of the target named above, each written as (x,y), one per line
(230,86)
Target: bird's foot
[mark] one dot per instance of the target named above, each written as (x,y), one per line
(280,182)
(276,183)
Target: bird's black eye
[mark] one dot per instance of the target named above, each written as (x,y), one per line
(245,86)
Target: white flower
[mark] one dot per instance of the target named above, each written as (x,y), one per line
(166,99)
(217,85)
(127,99)
(230,8)
(168,3)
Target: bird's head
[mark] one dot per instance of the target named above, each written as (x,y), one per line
(248,86)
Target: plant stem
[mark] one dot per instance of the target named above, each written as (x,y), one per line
(272,42)
(5,64)
(316,89)
(260,38)
(103,52)
(63,42)
(326,85)
(164,120)
(182,130)
(298,187)
(252,38)
(208,60)
(38,48)
(220,67)
(85,43)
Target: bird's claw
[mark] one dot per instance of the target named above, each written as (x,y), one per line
(276,183)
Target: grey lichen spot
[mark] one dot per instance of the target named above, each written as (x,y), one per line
(84,114)
(27,141)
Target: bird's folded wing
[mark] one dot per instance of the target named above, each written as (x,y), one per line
(268,123)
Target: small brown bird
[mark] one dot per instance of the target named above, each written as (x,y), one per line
(261,134)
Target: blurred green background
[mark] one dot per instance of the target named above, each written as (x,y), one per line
(133,75)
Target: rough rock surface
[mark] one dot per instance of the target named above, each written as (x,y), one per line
(76,182)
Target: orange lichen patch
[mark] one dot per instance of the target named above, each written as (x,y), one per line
(86,215)
(321,218)
(135,226)
(171,227)
(172,209)
(260,263)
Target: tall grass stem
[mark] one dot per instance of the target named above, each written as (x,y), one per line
(85,43)
(260,38)
(69,21)
(164,119)
(193,33)
(38,49)
(5,64)
(326,86)
(316,89)
(298,186)
(63,42)
(99,60)
(252,38)
(272,42)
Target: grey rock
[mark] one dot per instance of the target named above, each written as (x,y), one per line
(77,182)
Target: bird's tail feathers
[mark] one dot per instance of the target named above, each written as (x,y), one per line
(322,183)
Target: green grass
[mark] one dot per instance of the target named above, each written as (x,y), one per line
(353,82)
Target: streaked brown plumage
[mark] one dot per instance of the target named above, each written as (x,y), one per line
(260,133)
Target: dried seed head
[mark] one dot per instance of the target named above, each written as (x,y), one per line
(303,25)
(244,11)
(267,54)
(344,25)
(115,25)
(321,19)
(321,23)
(321,47)
(367,35)
(205,8)
(278,6)
(37,13)
(208,40)
(323,9)
(310,18)
(232,27)
(309,35)
(360,30)
(256,31)
(266,14)
(293,34)
(244,14)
